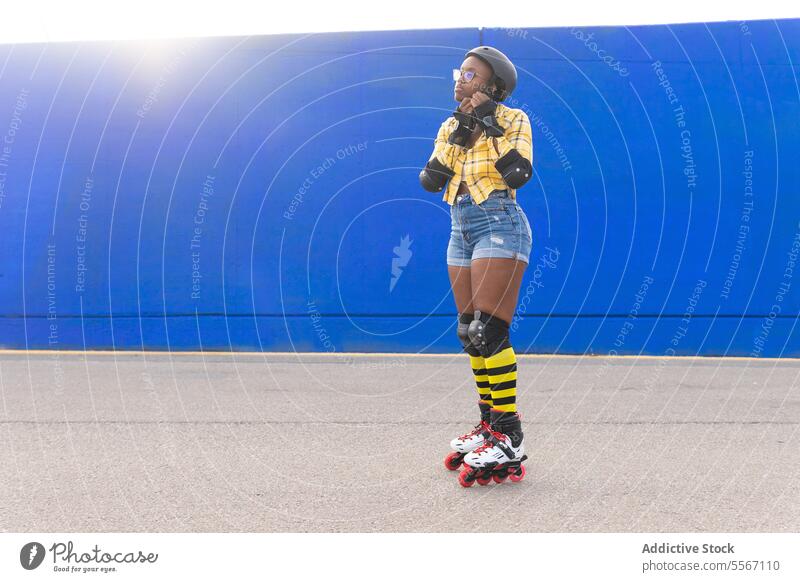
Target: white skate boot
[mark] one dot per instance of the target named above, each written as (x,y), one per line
(499,457)
(470,441)
(496,450)
(466,443)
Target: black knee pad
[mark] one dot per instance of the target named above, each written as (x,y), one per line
(489,334)
(464,319)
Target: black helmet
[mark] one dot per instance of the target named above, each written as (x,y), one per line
(504,73)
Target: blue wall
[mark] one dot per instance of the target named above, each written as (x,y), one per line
(249,193)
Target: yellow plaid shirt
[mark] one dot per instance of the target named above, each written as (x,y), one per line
(475,165)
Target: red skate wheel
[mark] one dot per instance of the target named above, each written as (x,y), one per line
(516,477)
(453,461)
(463,481)
(484,480)
(499,478)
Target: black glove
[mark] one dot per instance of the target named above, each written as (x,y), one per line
(486,119)
(463,131)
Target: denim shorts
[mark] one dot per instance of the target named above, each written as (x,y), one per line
(497,227)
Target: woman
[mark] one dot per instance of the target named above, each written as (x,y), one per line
(482,156)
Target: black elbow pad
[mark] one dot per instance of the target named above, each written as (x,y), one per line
(435,175)
(515,169)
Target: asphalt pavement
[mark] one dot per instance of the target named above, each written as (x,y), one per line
(160,442)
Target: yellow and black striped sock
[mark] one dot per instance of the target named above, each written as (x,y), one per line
(501,369)
(481,379)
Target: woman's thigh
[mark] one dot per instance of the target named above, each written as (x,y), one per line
(495,284)
(461,283)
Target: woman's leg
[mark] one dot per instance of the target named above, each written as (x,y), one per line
(495,285)
(461,283)
(495,290)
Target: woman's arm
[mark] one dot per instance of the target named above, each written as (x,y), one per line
(514,145)
(515,151)
(439,168)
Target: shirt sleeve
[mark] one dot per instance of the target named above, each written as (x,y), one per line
(517,136)
(443,151)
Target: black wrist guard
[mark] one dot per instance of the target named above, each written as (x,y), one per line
(485,115)
(435,175)
(463,131)
(515,169)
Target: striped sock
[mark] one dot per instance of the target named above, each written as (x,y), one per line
(481,379)
(501,369)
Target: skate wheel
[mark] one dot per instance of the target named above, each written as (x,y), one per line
(516,477)
(484,480)
(453,461)
(464,480)
(499,478)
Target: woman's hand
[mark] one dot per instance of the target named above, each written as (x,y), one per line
(466,105)
(478,98)
(483,108)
